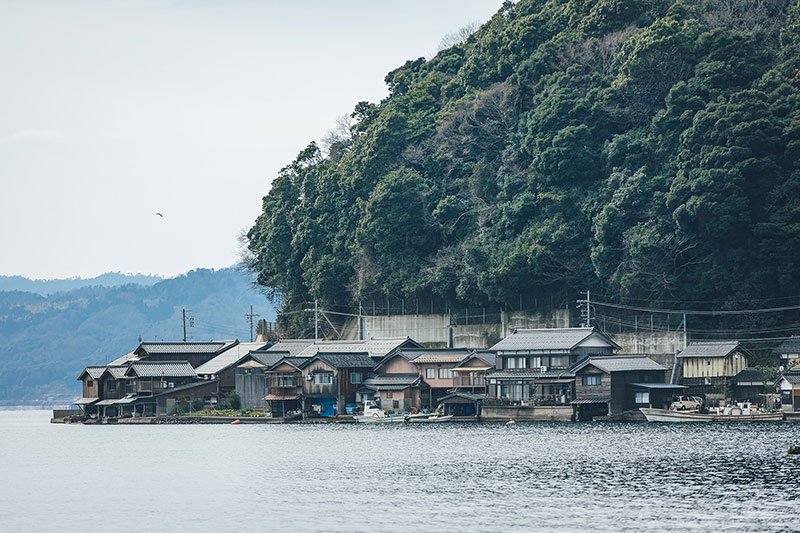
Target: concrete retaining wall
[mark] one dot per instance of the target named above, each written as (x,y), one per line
(502,413)
(651,343)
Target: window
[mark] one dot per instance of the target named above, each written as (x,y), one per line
(111,386)
(395,404)
(325,378)
(559,361)
(388,394)
(591,379)
(355,377)
(708,362)
(90,383)
(430,373)
(445,373)
(516,362)
(642,397)
(536,362)
(287,380)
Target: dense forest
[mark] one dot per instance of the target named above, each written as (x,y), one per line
(646,149)
(46,341)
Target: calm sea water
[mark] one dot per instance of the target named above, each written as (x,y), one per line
(549,477)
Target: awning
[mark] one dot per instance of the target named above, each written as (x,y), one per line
(471,369)
(663,386)
(85,401)
(107,402)
(274,397)
(556,381)
(586,401)
(125,400)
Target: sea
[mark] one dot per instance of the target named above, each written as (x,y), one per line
(446,477)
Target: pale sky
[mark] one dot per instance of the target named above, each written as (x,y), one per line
(111,111)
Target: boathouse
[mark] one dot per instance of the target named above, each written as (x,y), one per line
(708,368)
(330,381)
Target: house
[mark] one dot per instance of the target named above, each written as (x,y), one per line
(157,385)
(252,379)
(196,353)
(285,385)
(330,381)
(470,373)
(611,385)
(534,364)
(789,351)
(375,348)
(789,387)
(292,347)
(462,403)
(435,367)
(708,368)
(396,391)
(750,385)
(223,366)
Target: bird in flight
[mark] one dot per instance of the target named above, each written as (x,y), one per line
(159,214)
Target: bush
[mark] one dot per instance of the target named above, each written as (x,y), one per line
(197,404)
(234,400)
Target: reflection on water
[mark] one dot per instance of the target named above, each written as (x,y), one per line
(563,477)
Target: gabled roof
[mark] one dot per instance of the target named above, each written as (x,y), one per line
(167,369)
(620,363)
(487,358)
(520,374)
(443,355)
(711,349)
(121,360)
(392,382)
(94,371)
(463,394)
(292,346)
(117,371)
(296,362)
(228,358)
(545,339)
(266,359)
(154,348)
(374,347)
(750,375)
(343,360)
(790,345)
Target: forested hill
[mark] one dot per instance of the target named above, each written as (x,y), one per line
(46,287)
(46,341)
(647,149)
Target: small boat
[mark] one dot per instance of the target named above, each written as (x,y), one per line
(428,419)
(741,412)
(375,415)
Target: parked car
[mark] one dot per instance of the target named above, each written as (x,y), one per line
(686,403)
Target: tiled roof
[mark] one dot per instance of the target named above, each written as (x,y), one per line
(267,359)
(183,347)
(374,347)
(484,357)
(229,357)
(621,363)
(710,349)
(790,345)
(750,374)
(344,360)
(94,371)
(172,369)
(463,394)
(547,339)
(130,356)
(792,377)
(117,371)
(441,356)
(297,362)
(391,381)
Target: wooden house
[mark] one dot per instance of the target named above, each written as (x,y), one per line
(708,368)
(533,365)
(285,385)
(330,381)
(470,374)
(789,387)
(196,353)
(150,379)
(252,378)
(611,385)
(436,368)
(789,351)
(223,366)
(102,386)
(751,385)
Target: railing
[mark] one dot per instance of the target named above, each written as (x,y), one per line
(468,381)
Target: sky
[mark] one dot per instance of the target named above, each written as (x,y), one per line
(112,111)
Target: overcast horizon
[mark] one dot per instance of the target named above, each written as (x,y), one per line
(114,112)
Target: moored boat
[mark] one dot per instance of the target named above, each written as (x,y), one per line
(735,414)
(428,419)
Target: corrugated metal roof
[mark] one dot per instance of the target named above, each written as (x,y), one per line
(658,386)
(173,369)
(374,347)
(229,357)
(441,356)
(621,363)
(547,339)
(183,347)
(85,401)
(584,401)
(710,349)
(130,356)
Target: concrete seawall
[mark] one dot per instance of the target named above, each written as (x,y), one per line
(502,413)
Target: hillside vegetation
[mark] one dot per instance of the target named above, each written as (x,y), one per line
(46,341)
(647,149)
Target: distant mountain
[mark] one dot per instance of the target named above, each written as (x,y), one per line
(45,341)
(46,287)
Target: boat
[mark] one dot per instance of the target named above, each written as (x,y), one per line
(428,419)
(375,415)
(741,412)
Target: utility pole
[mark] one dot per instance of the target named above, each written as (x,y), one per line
(184,324)
(586,310)
(316,320)
(251,315)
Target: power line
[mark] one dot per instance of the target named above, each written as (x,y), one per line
(691,312)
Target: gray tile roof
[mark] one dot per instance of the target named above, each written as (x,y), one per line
(297,362)
(792,377)
(621,363)
(391,381)
(542,340)
(463,394)
(790,345)
(229,357)
(94,371)
(750,374)
(181,347)
(267,359)
(344,360)
(171,369)
(710,349)
(117,371)
(523,374)
(488,358)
